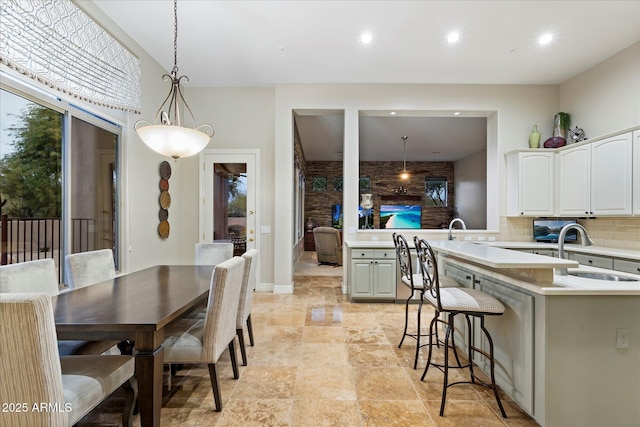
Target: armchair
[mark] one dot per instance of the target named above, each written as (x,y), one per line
(328,245)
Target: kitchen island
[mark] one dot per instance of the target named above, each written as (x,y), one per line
(557,349)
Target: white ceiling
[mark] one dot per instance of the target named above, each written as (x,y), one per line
(264,43)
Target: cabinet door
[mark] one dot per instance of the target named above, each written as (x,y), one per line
(512,335)
(611,176)
(574,181)
(384,277)
(362,278)
(636,172)
(535,188)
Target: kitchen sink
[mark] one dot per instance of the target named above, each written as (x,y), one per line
(603,276)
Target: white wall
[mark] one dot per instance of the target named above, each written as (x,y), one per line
(605,98)
(471,189)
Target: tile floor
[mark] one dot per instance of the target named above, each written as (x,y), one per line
(320,360)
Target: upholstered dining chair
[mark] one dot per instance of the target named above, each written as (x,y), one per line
(40,276)
(52,391)
(86,268)
(207,339)
(470,303)
(246,298)
(213,253)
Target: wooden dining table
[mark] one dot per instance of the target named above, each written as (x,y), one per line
(135,306)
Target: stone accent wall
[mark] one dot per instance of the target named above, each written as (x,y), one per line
(384,180)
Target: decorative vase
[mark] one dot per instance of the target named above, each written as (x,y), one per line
(561,123)
(534,138)
(309,224)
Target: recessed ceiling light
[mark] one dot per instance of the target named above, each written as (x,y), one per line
(453,37)
(393,113)
(545,38)
(366,38)
(457,113)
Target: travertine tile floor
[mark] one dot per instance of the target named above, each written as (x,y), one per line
(320,360)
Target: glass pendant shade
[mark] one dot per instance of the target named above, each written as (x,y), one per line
(173,141)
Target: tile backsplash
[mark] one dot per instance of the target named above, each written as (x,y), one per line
(621,233)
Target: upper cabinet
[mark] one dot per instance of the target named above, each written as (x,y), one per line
(600,178)
(636,172)
(530,183)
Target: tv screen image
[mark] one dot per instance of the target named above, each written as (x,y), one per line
(336,216)
(400,216)
(549,230)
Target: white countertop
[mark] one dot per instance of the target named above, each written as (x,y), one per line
(570,247)
(490,256)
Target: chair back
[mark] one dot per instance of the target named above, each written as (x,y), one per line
(87,268)
(213,253)
(429,269)
(403,254)
(222,308)
(328,244)
(30,368)
(248,286)
(31,276)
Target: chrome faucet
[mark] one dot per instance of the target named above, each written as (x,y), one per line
(584,239)
(453,221)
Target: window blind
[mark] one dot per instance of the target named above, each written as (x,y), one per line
(57,44)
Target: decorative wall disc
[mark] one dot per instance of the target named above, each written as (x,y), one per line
(163,229)
(165,200)
(164,185)
(163,214)
(165,170)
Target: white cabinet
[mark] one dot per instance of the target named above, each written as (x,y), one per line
(373,274)
(574,181)
(611,176)
(636,172)
(595,178)
(530,183)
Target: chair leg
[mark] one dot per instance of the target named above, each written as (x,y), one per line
(434,321)
(406,319)
(243,351)
(492,367)
(415,362)
(131,397)
(250,330)
(234,360)
(446,364)
(215,386)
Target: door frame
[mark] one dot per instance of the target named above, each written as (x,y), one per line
(252,158)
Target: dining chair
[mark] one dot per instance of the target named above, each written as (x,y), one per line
(470,303)
(246,298)
(212,253)
(86,268)
(45,389)
(207,339)
(40,276)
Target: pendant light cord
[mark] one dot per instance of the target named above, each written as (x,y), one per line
(175,37)
(404,154)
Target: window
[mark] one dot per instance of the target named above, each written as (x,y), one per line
(39,157)
(436,191)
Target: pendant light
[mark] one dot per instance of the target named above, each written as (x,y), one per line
(404,175)
(167,135)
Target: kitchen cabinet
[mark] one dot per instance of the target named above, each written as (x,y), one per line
(592,260)
(626,265)
(373,274)
(611,162)
(574,181)
(512,334)
(530,177)
(595,178)
(636,172)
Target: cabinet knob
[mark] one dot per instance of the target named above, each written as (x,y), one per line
(590,261)
(476,281)
(468,277)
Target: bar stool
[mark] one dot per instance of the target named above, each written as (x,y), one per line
(415,281)
(454,301)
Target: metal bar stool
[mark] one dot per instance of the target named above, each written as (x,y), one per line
(416,283)
(454,301)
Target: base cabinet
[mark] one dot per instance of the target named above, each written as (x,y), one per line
(512,334)
(373,274)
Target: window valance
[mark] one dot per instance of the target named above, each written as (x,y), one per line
(56,43)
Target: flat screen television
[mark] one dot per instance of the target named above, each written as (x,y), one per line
(400,216)
(545,230)
(337,217)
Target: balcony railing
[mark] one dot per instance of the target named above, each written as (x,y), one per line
(28,239)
